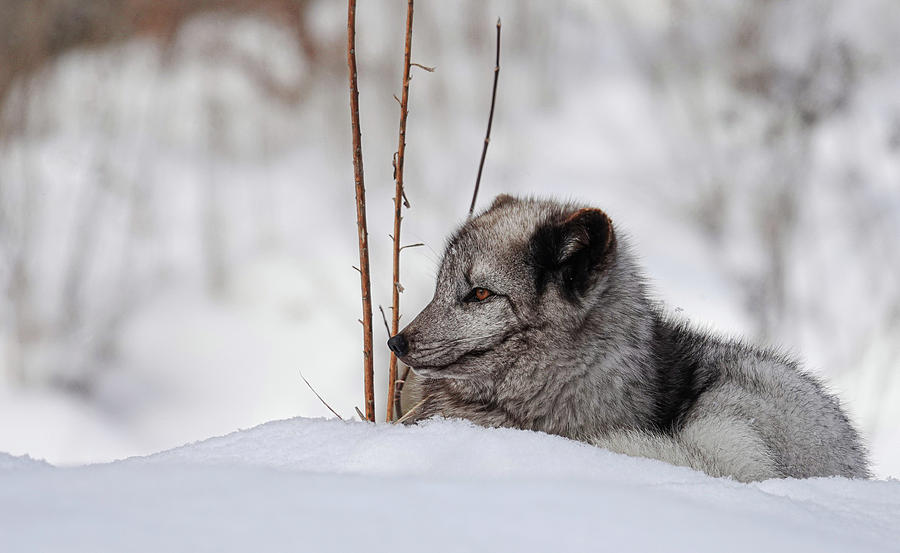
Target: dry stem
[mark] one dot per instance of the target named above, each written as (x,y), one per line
(399,197)
(412,411)
(384,318)
(360,214)
(401,382)
(325,403)
(487,136)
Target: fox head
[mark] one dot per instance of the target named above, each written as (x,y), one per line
(523,270)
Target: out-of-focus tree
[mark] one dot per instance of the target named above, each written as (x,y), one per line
(33,35)
(36,32)
(760,89)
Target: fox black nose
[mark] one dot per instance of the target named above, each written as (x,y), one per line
(399,345)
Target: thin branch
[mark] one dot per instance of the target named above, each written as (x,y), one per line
(401,382)
(325,403)
(384,318)
(364,280)
(359,413)
(394,165)
(487,135)
(399,202)
(425,67)
(412,411)
(412,246)
(398,387)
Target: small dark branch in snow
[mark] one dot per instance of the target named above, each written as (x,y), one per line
(355,268)
(425,67)
(411,246)
(325,403)
(358,412)
(487,135)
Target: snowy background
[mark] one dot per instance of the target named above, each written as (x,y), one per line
(177,226)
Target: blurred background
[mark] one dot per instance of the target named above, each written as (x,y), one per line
(177,223)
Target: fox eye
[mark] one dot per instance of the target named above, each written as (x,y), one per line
(479,294)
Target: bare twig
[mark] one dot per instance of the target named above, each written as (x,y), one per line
(425,67)
(401,382)
(487,135)
(412,410)
(359,413)
(384,318)
(412,246)
(368,369)
(325,403)
(398,387)
(399,201)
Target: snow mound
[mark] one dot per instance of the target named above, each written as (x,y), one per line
(9,462)
(328,485)
(449,448)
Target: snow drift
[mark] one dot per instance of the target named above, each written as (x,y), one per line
(326,485)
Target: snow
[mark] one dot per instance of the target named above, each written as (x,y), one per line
(629,106)
(327,485)
(10,462)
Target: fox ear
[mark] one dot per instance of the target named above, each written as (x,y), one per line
(501,200)
(573,251)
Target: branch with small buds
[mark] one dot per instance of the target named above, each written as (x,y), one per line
(400,201)
(362,230)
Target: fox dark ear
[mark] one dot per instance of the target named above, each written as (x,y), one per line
(572,252)
(501,200)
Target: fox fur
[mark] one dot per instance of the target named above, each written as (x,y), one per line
(568,341)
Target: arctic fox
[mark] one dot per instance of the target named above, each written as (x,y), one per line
(541,320)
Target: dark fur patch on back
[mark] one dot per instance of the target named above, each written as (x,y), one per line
(680,379)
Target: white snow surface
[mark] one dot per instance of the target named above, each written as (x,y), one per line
(327,485)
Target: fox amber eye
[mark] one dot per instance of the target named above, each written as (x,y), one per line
(481,294)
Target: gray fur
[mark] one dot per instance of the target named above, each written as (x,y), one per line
(571,344)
